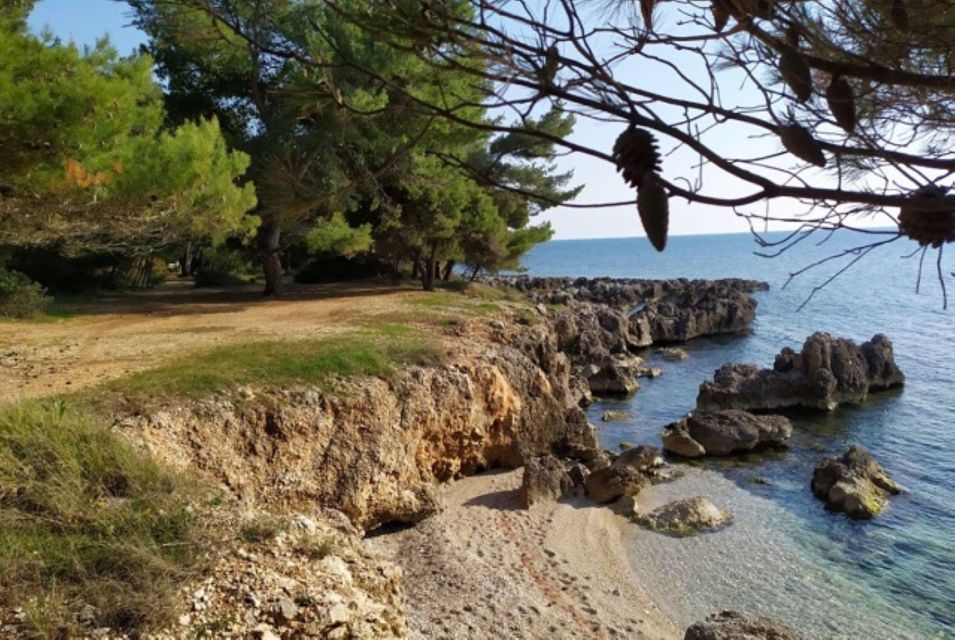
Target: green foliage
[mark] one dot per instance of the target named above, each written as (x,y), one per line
(20,297)
(88,162)
(382,175)
(374,351)
(222,267)
(334,235)
(86,520)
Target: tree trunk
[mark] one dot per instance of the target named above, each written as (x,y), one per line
(415,268)
(474,274)
(429,273)
(185,262)
(448,271)
(271,258)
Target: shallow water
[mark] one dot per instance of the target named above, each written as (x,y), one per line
(785,555)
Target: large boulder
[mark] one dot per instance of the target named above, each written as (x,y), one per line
(720,433)
(610,483)
(826,373)
(732,625)
(616,375)
(685,517)
(854,484)
(545,480)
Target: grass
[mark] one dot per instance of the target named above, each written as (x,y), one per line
(88,522)
(261,528)
(376,350)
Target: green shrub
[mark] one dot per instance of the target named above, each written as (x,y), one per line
(222,267)
(20,297)
(86,521)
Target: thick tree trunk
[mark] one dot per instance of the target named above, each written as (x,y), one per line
(271,258)
(448,270)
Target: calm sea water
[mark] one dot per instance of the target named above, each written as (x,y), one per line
(785,555)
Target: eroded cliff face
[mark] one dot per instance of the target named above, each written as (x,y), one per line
(376,449)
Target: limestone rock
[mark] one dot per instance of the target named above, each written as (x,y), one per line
(732,625)
(613,416)
(607,484)
(673,354)
(685,517)
(616,375)
(854,484)
(724,432)
(826,373)
(545,480)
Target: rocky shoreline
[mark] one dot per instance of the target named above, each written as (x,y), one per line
(384,453)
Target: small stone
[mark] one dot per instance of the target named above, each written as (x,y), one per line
(284,610)
(264,632)
(184,620)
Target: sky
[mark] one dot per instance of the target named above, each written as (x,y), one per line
(84,21)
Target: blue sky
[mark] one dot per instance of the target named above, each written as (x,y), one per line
(83,21)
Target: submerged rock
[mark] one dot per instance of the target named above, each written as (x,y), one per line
(545,480)
(673,354)
(613,416)
(724,432)
(826,373)
(685,517)
(854,484)
(732,625)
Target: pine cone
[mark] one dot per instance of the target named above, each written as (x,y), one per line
(646,8)
(636,155)
(721,15)
(796,73)
(928,227)
(799,142)
(842,104)
(653,205)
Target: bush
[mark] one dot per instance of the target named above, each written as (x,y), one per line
(222,267)
(86,522)
(20,297)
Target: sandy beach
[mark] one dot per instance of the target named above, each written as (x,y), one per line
(484,568)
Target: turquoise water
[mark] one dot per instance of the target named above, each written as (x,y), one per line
(785,555)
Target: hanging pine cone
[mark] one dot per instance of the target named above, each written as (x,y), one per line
(764,9)
(842,103)
(636,155)
(646,9)
(653,205)
(721,15)
(796,73)
(799,142)
(933,228)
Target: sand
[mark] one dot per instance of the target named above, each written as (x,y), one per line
(484,568)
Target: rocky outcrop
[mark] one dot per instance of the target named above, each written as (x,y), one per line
(854,484)
(685,517)
(313,579)
(631,471)
(545,479)
(601,321)
(720,433)
(827,372)
(379,450)
(732,625)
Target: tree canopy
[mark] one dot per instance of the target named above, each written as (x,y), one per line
(342,162)
(88,161)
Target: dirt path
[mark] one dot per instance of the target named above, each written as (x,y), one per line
(485,569)
(114,336)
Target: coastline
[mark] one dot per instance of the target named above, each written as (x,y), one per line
(483,567)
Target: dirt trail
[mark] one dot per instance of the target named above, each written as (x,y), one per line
(114,336)
(483,568)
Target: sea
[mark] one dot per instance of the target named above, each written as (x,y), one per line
(785,555)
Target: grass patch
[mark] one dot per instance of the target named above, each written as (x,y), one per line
(261,528)
(88,524)
(376,350)
(316,547)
